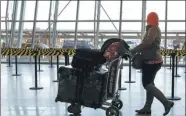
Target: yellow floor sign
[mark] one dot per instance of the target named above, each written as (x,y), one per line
(57,52)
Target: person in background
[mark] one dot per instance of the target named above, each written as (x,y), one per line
(152,62)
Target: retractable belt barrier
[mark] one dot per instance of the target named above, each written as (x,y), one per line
(36,52)
(61,51)
(70,52)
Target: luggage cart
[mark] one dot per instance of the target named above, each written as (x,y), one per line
(113,67)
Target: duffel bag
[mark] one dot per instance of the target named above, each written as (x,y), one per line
(87,59)
(94,89)
(67,84)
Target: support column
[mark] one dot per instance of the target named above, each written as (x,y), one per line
(121,37)
(14,17)
(120,19)
(143,24)
(49,23)
(21,24)
(6,25)
(95,13)
(76,25)
(166,16)
(98,23)
(55,24)
(34,25)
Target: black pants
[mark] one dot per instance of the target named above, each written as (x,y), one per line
(149,72)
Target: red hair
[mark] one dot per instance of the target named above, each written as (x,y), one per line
(153,19)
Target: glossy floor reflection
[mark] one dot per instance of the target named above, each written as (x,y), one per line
(18,100)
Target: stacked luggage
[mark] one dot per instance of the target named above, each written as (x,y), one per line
(86,83)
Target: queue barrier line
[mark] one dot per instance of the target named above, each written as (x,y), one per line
(61,51)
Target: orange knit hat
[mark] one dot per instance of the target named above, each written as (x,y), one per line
(153,19)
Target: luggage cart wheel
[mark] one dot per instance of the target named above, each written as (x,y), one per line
(112,111)
(74,109)
(117,103)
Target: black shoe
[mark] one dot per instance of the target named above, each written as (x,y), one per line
(168,107)
(144,111)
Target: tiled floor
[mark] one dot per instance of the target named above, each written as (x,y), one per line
(18,100)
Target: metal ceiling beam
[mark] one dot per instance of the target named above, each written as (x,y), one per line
(83,34)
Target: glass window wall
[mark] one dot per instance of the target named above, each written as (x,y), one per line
(131,21)
(3,8)
(43,10)
(68,10)
(156,6)
(176,10)
(85,14)
(30,10)
(112,8)
(132,10)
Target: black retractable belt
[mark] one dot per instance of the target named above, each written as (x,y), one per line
(172,97)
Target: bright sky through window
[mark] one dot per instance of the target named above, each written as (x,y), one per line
(132,10)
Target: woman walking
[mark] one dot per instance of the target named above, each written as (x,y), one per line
(152,62)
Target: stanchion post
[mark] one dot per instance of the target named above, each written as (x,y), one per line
(120,80)
(36,84)
(172,97)
(130,67)
(57,69)
(9,63)
(51,62)
(170,64)
(185,63)
(39,63)
(176,75)
(66,59)
(16,72)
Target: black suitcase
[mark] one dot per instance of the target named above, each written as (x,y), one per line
(94,89)
(67,84)
(87,59)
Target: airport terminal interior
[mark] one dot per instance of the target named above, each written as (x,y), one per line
(69,24)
